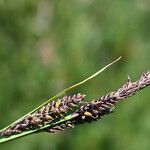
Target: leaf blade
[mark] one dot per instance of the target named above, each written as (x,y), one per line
(5,139)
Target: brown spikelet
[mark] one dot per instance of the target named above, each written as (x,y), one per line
(94,110)
(97,108)
(45,115)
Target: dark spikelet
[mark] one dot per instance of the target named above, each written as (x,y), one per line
(45,115)
(103,106)
(94,110)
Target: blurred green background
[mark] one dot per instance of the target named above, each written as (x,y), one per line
(48,45)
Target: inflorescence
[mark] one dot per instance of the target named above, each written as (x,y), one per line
(78,111)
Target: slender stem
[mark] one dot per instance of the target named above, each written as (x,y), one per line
(25,133)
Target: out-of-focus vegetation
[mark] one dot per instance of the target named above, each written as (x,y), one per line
(48,45)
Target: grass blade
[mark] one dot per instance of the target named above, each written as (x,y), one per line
(5,139)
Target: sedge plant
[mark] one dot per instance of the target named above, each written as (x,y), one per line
(62,111)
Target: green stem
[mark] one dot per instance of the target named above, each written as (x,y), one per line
(25,133)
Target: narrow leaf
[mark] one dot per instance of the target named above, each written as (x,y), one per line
(25,133)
